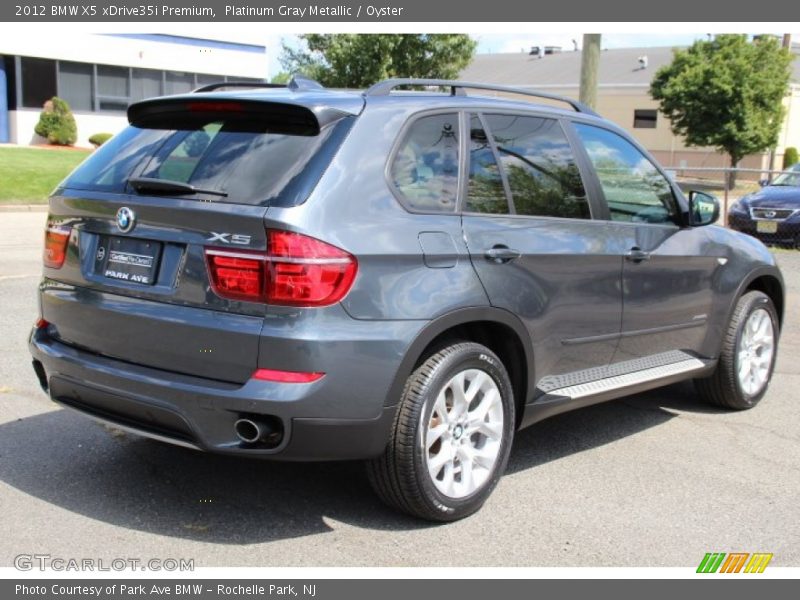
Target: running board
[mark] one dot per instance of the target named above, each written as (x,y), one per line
(617,385)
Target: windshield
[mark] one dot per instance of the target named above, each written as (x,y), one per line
(789,178)
(219,159)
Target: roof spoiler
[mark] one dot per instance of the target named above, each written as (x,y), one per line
(185,112)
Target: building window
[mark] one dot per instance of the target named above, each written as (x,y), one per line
(113,88)
(75,85)
(38,81)
(89,87)
(645,118)
(146,83)
(179,83)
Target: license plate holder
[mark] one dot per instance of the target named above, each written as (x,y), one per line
(128,259)
(767,226)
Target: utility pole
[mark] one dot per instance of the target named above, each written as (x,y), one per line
(590,62)
(787,43)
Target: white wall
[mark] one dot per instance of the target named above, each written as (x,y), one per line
(127,52)
(23,121)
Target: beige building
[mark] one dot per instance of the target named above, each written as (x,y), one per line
(623,97)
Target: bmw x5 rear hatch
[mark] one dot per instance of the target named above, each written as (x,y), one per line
(129,230)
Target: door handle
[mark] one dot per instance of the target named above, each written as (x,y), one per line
(636,254)
(501,254)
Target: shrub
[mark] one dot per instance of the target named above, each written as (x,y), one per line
(57,124)
(98,139)
(789,157)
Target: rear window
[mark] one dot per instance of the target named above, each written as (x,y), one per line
(227,159)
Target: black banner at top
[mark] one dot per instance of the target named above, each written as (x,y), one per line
(395,11)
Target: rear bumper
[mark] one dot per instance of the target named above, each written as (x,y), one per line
(200,413)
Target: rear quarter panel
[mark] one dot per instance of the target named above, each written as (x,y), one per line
(353,208)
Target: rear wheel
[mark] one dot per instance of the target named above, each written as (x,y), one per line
(451,437)
(747,359)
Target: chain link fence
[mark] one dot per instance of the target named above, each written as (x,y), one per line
(762,203)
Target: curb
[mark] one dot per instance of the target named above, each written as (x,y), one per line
(23,208)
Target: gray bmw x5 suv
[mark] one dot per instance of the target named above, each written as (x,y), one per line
(401,276)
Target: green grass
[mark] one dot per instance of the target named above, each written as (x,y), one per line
(28,175)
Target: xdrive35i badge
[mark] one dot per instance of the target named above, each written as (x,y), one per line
(126,219)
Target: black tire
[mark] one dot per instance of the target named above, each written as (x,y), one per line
(723,388)
(401,476)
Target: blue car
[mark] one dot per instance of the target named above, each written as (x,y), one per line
(771,214)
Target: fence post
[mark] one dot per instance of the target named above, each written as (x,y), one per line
(725,203)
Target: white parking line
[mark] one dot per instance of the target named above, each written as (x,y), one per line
(25,276)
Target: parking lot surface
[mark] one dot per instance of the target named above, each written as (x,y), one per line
(656,479)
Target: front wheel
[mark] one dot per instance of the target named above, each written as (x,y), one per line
(451,437)
(747,358)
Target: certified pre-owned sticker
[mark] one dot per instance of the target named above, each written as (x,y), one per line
(127,258)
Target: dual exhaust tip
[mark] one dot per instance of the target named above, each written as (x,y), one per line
(266,432)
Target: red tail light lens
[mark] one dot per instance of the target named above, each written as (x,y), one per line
(238,276)
(56,238)
(286,376)
(303,271)
(297,270)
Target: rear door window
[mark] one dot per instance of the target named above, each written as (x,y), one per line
(485,192)
(539,166)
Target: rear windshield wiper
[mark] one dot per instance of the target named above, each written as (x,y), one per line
(168,186)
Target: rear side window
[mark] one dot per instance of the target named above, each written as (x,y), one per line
(424,170)
(486,193)
(540,167)
(634,189)
(242,162)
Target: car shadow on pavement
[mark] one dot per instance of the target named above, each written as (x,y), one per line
(594,426)
(84,467)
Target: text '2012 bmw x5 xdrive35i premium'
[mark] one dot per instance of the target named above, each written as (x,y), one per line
(405,277)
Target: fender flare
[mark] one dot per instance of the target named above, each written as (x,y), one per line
(760,271)
(462,316)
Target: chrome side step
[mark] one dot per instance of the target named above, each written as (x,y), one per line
(619,383)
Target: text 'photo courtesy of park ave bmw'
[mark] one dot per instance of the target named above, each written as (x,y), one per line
(406,274)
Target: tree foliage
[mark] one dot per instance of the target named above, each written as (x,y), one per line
(789,157)
(359,60)
(726,93)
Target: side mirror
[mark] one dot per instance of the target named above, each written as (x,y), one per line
(763,182)
(703,208)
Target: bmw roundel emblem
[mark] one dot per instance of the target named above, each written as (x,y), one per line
(125,219)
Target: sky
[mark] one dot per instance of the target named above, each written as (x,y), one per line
(517,42)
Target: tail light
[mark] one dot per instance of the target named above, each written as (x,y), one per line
(297,270)
(236,275)
(56,238)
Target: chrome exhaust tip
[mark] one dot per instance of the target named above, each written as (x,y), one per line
(251,432)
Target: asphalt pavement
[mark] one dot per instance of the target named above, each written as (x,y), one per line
(656,479)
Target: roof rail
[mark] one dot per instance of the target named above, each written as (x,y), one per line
(297,83)
(237,84)
(384,88)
